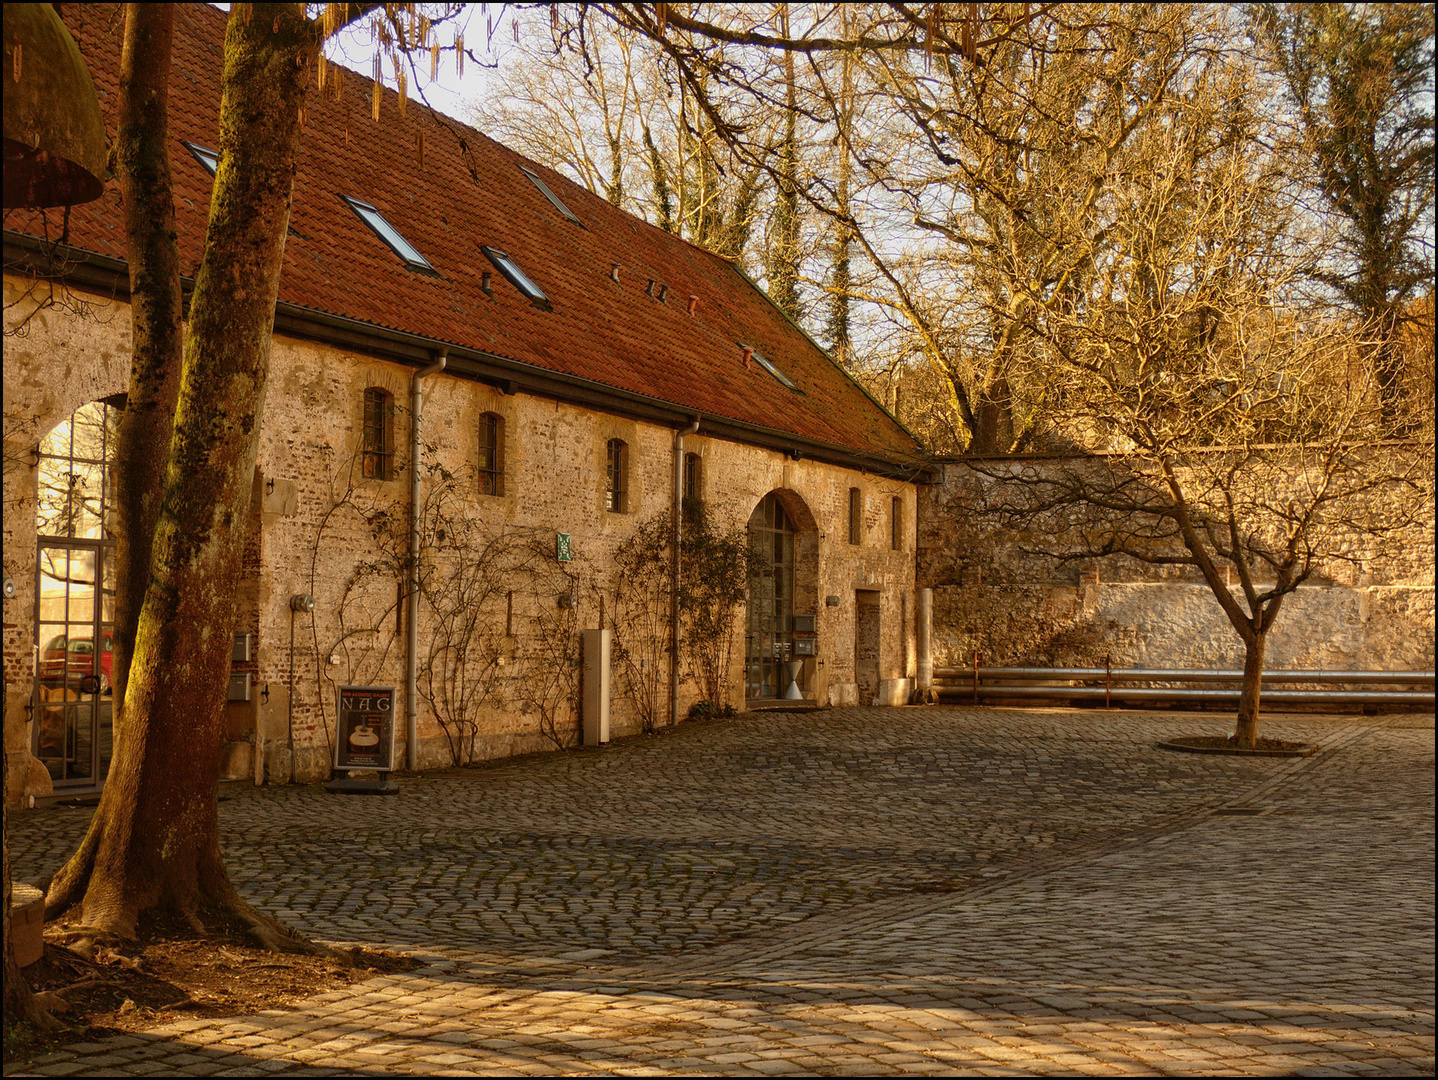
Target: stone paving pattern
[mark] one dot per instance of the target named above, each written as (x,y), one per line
(851,891)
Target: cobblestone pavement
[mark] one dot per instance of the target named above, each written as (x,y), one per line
(851,891)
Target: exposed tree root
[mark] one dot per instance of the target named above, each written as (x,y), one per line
(206,906)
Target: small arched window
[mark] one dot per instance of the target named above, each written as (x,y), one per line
(491,454)
(616,493)
(693,477)
(377,457)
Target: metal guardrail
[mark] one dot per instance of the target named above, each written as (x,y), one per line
(977,683)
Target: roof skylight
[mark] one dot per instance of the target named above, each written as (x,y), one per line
(387,232)
(208,158)
(551,196)
(768,365)
(517,277)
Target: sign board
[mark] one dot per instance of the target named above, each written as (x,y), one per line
(364,738)
(561,547)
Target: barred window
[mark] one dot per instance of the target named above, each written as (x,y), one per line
(856,515)
(616,491)
(491,454)
(377,459)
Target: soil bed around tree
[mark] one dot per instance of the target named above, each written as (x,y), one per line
(1225,744)
(179,979)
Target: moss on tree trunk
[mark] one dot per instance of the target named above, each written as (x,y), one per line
(154,841)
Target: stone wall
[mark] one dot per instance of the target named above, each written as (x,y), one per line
(315,533)
(993,596)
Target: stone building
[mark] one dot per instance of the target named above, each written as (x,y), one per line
(568,374)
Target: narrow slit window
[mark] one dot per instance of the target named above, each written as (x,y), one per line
(550,195)
(768,365)
(491,454)
(856,515)
(896,525)
(208,158)
(693,477)
(616,480)
(377,457)
(390,235)
(517,277)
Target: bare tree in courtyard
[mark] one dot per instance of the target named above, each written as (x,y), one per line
(1250,438)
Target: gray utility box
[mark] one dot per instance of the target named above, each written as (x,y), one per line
(241,683)
(596,686)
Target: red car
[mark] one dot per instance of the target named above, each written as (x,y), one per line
(65,661)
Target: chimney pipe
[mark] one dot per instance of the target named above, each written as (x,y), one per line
(484,280)
(614,272)
(693,303)
(663,292)
(748,356)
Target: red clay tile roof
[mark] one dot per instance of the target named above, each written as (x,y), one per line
(461,199)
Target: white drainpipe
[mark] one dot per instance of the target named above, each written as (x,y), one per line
(411,687)
(674,592)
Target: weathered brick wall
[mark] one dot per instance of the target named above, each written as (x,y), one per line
(313,534)
(994,596)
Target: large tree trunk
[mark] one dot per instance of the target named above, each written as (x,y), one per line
(1246,731)
(154,840)
(142,444)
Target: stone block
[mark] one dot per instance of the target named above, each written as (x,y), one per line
(27,922)
(894,691)
(237,760)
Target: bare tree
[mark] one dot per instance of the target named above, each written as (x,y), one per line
(1251,443)
(977,192)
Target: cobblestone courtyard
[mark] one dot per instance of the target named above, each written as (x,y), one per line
(852,891)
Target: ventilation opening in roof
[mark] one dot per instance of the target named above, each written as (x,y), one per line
(768,365)
(387,232)
(551,196)
(208,158)
(517,277)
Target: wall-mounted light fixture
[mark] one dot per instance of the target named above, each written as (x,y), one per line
(303,603)
(831,601)
(9,587)
(566,600)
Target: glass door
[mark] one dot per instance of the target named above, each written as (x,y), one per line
(769,642)
(73,706)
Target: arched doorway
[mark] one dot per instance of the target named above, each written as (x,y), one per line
(783,564)
(75,597)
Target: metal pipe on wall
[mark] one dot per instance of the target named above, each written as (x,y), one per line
(926,647)
(674,581)
(411,687)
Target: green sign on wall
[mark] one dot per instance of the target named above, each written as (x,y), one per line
(561,546)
